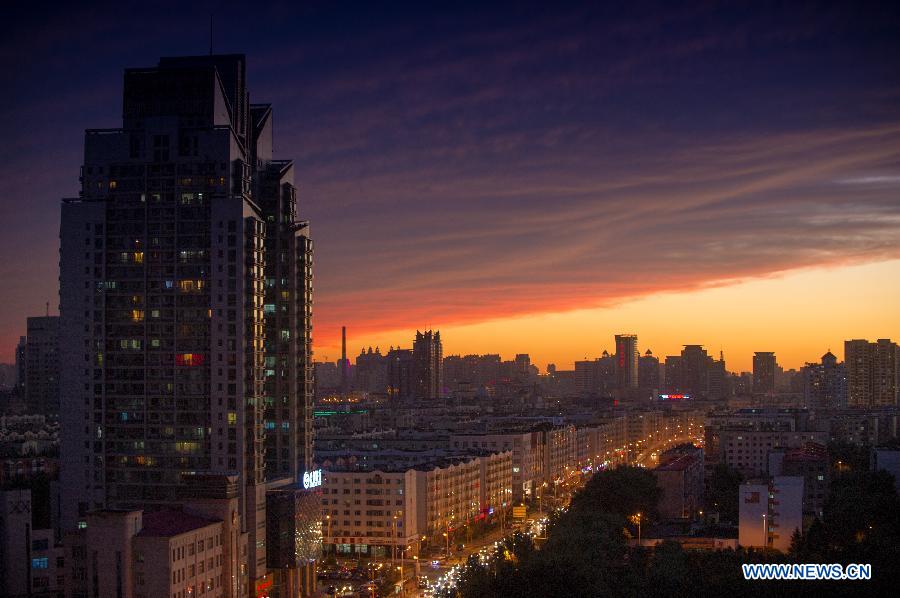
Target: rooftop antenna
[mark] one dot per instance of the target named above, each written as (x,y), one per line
(48,309)
(210,33)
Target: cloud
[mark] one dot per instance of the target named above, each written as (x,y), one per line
(535,240)
(872,180)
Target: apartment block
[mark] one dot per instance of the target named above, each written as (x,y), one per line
(770,512)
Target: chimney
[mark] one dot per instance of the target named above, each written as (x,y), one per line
(343,359)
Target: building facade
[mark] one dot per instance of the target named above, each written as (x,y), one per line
(428,365)
(42,365)
(626,361)
(185,293)
(764,366)
(873,373)
(770,512)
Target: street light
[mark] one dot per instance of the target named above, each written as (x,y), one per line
(636,518)
(393,539)
(328,524)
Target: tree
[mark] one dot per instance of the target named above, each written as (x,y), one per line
(622,491)
(722,491)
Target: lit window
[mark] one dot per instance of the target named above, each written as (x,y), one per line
(40,563)
(190,286)
(189,359)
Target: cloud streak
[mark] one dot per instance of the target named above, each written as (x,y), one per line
(498,161)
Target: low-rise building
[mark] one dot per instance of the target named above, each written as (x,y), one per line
(680,477)
(809,462)
(31,561)
(770,512)
(381,507)
(526,450)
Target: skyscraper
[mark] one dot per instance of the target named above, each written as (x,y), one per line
(428,365)
(626,361)
(764,366)
(185,294)
(42,365)
(873,373)
(696,373)
(21,363)
(400,376)
(648,371)
(825,383)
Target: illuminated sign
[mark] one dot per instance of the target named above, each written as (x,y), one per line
(674,397)
(312,479)
(263,586)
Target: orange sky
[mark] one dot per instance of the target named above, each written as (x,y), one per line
(799,315)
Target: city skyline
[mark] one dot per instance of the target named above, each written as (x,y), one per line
(664,159)
(561,332)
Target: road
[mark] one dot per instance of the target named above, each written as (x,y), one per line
(650,455)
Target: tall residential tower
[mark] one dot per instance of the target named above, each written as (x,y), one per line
(185,294)
(626,361)
(428,365)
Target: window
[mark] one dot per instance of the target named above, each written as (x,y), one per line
(189,359)
(40,563)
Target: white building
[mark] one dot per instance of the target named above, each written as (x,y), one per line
(770,512)
(384,510)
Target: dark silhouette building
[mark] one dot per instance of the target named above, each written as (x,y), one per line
(42,365)
(428,365)
(186,293)
(626,361)
(764,366)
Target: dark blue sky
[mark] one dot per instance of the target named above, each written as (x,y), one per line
(462,163)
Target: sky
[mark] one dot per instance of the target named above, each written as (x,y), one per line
(529,178)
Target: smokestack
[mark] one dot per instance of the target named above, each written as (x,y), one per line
(343,359)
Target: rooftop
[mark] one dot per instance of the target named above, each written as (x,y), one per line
(162,524)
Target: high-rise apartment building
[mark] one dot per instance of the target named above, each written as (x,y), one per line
(42,365)
(764,366)
(873,373)
(695,373)
(825,383)
(370,373)
(185,293)
(21,362)
(400,374)
(648,371)
(626,361)
(428,365)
